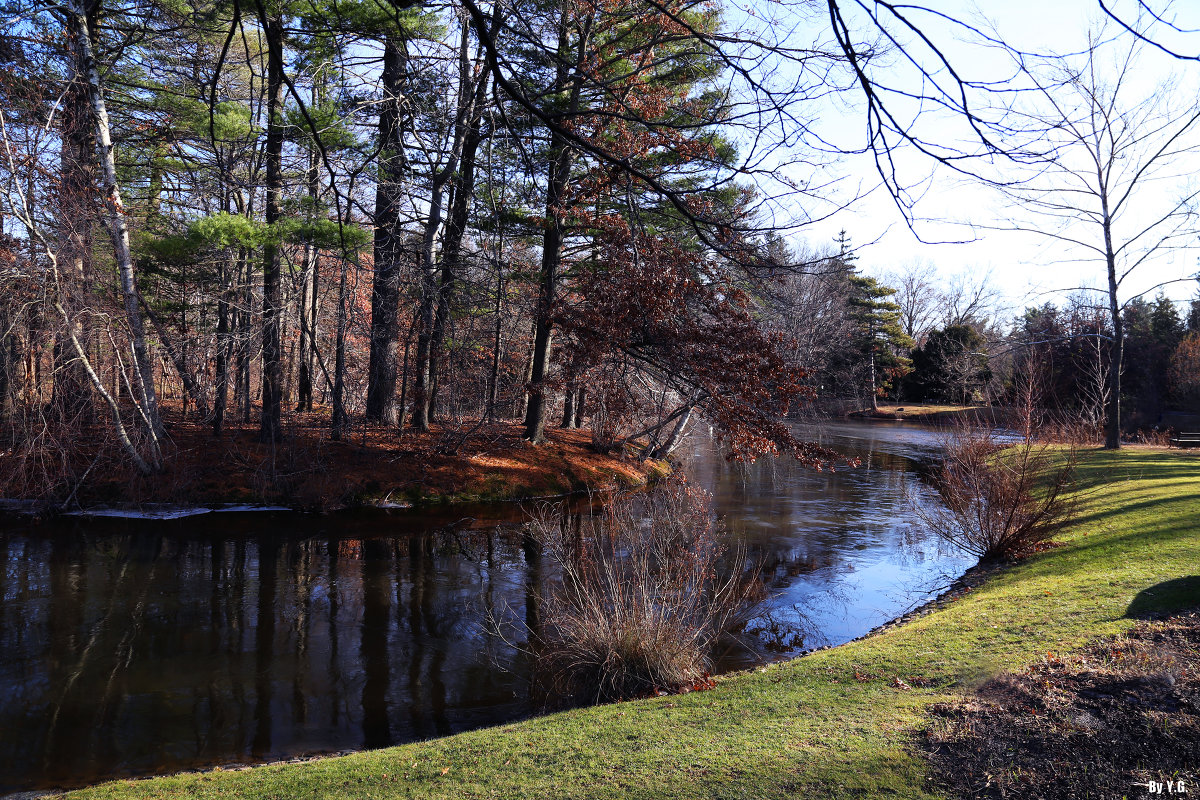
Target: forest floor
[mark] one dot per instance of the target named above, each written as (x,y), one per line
(372,464)
(860,720)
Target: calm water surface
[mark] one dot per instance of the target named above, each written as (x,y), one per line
(135,647)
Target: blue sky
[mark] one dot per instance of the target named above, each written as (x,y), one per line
(1027,268)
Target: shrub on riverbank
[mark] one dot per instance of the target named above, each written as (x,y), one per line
(1000,500)
(648,586)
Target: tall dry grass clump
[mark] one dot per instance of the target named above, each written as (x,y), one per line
(1000,500)
(647,588)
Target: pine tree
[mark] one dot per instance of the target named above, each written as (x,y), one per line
(880,338)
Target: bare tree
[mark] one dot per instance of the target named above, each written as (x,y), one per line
(968,298)
(115,217)
(1111,185)
(1092,360)
(446,160)
(918,296)
(19,205)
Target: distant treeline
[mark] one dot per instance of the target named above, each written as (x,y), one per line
(913,336)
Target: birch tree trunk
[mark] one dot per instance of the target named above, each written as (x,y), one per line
(114,213)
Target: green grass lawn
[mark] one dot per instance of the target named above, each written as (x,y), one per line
(810,727)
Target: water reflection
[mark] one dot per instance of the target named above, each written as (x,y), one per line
(132,648)
(148,651)
(838,548)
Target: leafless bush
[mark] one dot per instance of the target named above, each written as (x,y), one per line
(1153,437)
(1000,500)
(294,471)
(647,589)
(1070,430)
(612,416)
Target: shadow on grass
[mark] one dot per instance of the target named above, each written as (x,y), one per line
(1162,599)
(1155,503)
(1107,471)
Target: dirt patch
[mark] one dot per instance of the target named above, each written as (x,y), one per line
(1120,719)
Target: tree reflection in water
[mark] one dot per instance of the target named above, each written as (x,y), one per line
(131,647)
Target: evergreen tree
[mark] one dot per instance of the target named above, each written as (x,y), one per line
(1193,314)
(879,336)
(1153,331)
(951,366)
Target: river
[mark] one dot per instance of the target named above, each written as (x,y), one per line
(132,647)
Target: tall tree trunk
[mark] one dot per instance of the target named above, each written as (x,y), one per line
(314,304)
(472,91)
(404,368)
(497,345)
(1113,423)
(29,392)
(224,349)
(304,376)
(389,249)
(8,359)
(580,403)
(339,421)
(568,420)
(70,393)
(420,410)
(527,377)
(552,242)
(561,158)
(288,360)
(306,306)
(572,388)
(118,231)
(270,426)
(1112,427)
(245,322)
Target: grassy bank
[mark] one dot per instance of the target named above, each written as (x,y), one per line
(371,464)
(837,723)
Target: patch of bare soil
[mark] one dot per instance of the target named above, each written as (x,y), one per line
(1121,719)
